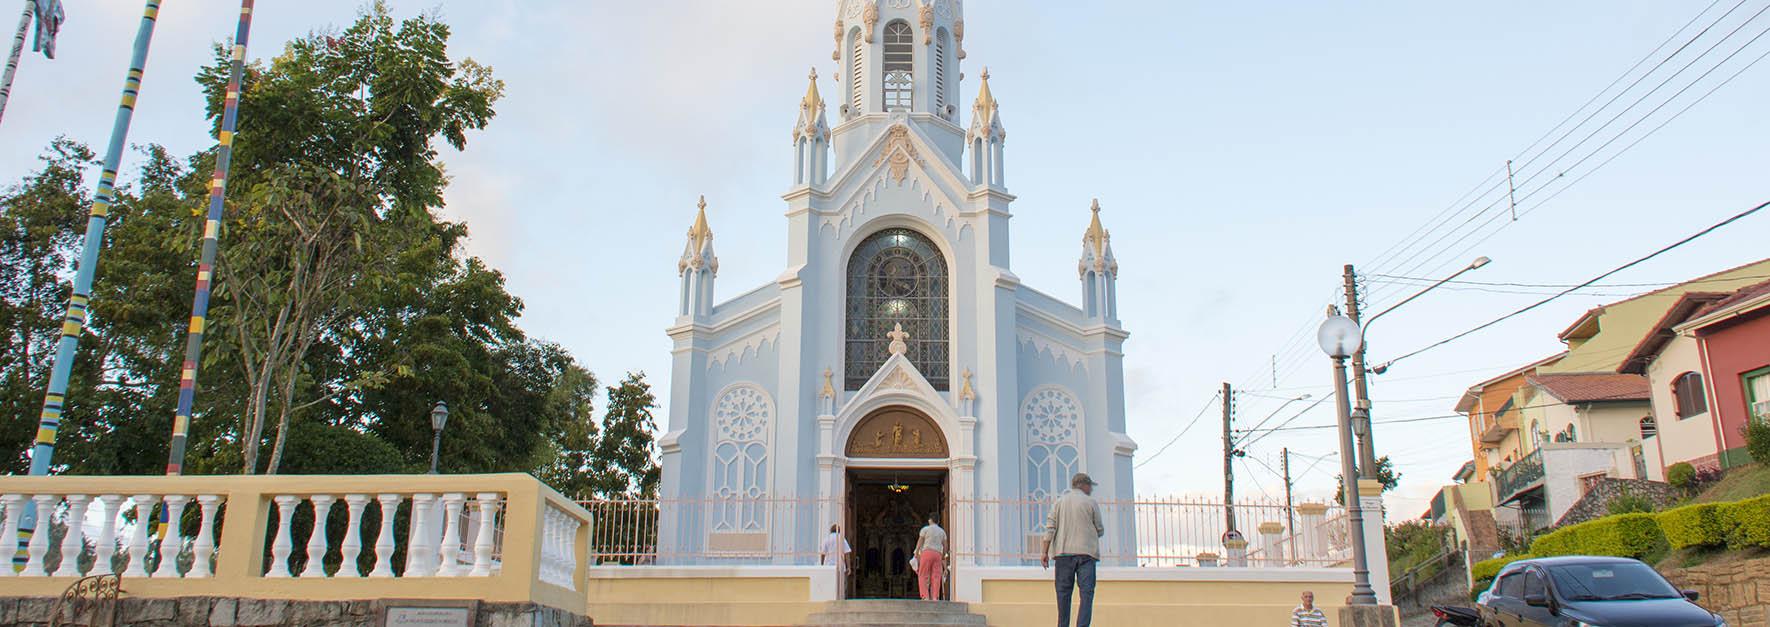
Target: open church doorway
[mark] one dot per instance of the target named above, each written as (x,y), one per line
(886,510)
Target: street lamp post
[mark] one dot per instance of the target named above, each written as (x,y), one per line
(1340,338)
(1361,422)
(439,416)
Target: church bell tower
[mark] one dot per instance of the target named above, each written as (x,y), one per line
(899,59)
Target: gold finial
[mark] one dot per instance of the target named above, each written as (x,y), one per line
(965,392)
(1096,236)
(984,110)
(700,232)
(829,390)
(897,335)
(812,101)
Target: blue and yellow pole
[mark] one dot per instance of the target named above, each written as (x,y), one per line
(193,349)
(75,321)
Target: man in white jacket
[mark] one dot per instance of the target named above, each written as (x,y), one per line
(1073,532)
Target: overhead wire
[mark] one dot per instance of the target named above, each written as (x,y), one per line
(1176,438)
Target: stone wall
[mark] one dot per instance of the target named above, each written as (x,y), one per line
(1738,591)
(1450,586)
(231,612)
(1596,501)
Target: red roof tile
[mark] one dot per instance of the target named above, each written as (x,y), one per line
(1593,387)
(1743,294)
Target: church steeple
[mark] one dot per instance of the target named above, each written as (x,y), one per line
(697,267)
(899,55)
(986,137)
(1099,271)
(811,139)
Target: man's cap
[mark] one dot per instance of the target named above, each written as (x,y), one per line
(1081,478)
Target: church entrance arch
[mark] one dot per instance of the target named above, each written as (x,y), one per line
(896,477)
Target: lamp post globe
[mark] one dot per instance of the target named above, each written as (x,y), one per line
(1339,336)
(439,417)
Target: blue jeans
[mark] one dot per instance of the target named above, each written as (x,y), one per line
(1075,571)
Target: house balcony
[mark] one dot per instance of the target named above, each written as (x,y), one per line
(1495,428)
(1522,476)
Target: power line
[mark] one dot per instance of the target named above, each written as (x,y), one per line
(1599,129)
(1712,228)
(1176,438)
(1393,421)
(1564,285)
(1286,422)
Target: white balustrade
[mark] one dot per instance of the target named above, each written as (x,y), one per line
(384,542)
(73,543)
(283,545)
(454,534)
(203,548)
(419,549)
(104,547)
(42,506)
(138,540)
(353,541)
(451,539)
(171,541)
(559,538)
(483,539)
(316,537)
(14,507)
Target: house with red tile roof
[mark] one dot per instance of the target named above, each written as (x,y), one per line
(1708,364)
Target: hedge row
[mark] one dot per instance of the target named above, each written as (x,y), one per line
(1694,525)
(1626,535)
(1488,569)
(1746,523)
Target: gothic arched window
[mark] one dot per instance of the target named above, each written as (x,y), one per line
(900,76)
(896,276)
(741,420)
(1050,423)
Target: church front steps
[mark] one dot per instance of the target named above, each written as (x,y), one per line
(904,613)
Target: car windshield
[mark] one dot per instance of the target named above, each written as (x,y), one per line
(1610,582)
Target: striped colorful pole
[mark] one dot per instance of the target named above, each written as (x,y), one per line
(18,49)
(75,322)
(193,345)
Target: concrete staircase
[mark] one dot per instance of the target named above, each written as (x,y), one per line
(895,613)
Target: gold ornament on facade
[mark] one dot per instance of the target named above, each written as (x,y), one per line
(896,432)
(829,390)
(871,17)
(899,152)
(965,392)
(959,36)
(836,55)
(926,17)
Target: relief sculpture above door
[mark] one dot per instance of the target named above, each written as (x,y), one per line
(897,432)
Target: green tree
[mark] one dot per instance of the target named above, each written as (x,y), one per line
(1386,475)
(629,469)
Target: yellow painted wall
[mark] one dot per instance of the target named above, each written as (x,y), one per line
(701,601)
(1623,324)
(1161,603)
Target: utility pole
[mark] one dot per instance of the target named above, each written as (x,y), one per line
(1361,426)
(1290,521)
(1228,468)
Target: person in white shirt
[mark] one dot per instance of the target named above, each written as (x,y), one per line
(930,559)
(835,551)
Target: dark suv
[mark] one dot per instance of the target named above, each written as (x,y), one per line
(1579,591)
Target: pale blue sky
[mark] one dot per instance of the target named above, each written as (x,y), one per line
(1241,151)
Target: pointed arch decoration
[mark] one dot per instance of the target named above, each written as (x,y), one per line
(743,418)
(896,276)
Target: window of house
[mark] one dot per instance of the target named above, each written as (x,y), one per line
(900,77)
(1687,391)
(1649,428)
(1757,394)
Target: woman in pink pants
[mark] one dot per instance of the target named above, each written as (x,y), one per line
(930,559)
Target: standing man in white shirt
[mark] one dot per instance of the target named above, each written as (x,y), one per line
(835,552)
(1073,532)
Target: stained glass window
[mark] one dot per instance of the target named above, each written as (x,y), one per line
(896,276)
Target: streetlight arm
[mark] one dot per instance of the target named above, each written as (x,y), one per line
(1479,261)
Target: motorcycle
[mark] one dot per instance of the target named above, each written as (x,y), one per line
(1458,616)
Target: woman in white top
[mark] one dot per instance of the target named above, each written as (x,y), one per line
(931,559)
